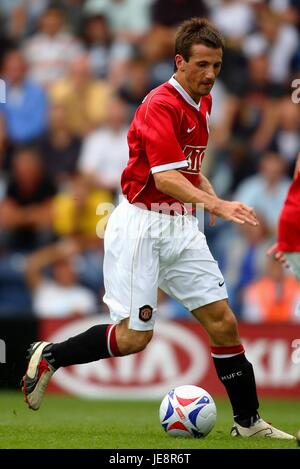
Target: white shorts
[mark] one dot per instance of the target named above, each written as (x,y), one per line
(293,259)
(145,250)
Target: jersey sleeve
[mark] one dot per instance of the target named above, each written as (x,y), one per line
(160,131)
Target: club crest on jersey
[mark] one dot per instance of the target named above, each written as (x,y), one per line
(194,155)
(145,313)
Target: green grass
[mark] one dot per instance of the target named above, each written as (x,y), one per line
(65,422)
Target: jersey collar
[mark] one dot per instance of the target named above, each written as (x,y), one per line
(184,94)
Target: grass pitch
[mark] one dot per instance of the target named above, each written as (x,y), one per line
(65,422)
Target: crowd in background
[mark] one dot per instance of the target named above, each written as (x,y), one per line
(75,72)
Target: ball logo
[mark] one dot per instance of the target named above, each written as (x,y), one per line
(175,356)
(145,313)
(180,413)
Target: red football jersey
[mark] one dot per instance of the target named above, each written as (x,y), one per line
(169,131)
(289,222)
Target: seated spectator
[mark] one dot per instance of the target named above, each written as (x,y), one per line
(61,295)
(26,210)
(75,210)
(103,167)
(83,97)
(275,297)
(24,115)
(266,191)
(50,51)
(59,147)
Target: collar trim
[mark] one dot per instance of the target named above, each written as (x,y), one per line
(184,94)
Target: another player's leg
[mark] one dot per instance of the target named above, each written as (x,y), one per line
(293,260)
(98,342)
(235,371)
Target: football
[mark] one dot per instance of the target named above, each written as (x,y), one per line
(188,411)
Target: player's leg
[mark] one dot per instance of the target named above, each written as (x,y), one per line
(195,280)
(234,370)
(131,275)
(293,259)
(98,342)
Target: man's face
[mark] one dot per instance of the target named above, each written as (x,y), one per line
(200,72)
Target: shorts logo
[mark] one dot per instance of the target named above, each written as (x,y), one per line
(145,313)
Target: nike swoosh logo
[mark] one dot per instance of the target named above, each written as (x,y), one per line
(221,283)
(191,130)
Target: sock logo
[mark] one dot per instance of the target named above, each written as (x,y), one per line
(145,313)
(231,376)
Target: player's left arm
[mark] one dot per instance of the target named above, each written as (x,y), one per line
(206,186)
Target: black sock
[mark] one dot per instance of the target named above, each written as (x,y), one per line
(91,345)
(236,373)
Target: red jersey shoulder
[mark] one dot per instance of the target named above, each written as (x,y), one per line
(163,95)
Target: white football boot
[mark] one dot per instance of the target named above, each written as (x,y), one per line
(37,376)
(260,429)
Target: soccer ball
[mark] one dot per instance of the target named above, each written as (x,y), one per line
(188,411)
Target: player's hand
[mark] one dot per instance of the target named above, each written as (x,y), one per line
(278,255)
(212,219)
(236,212)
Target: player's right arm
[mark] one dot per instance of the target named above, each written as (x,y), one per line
(174,184)
(159,127)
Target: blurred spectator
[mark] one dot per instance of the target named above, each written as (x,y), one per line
(286,140)
(108,56)
(280,41)
(136,86)
(20,16)
(250,115)
(172,12)
(59,147)
(233,18)
(25,112)
(61,295)
(75,210)
(50,51)
(266,191)
(128,19)
(26,210)
(76,214)
(105,151)
(98,41)
(275,297)
(83,97)
(245,258)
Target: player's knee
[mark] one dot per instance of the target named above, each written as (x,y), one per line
(142,339)
(130,341)
(224,330)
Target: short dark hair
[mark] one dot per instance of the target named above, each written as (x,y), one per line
(196,31)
